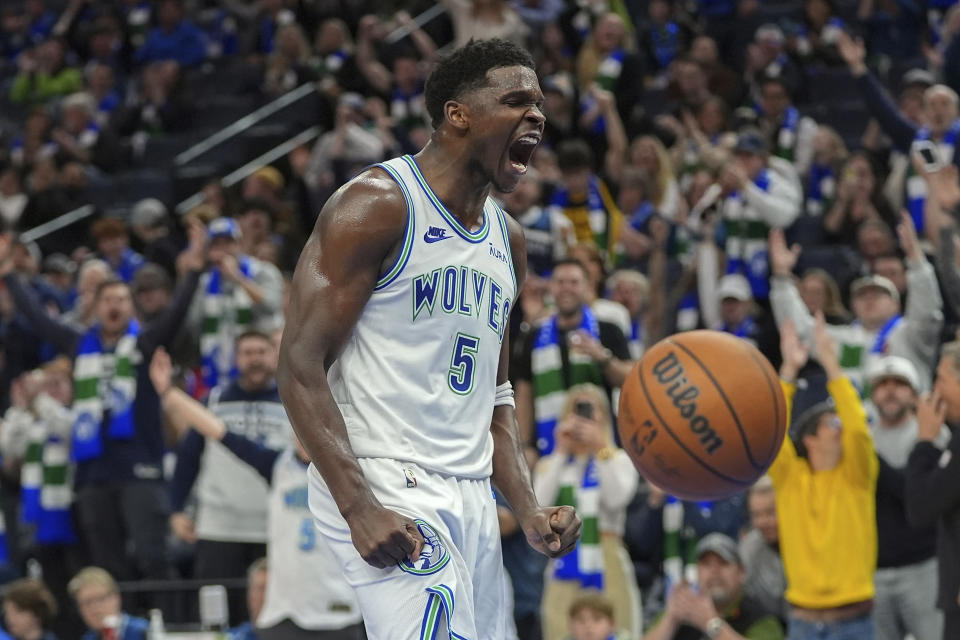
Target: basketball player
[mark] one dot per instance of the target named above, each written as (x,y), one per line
(394,362)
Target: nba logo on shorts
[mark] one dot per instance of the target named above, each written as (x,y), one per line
(433,556)
(411,479)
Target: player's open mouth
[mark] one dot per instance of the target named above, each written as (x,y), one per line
(521,150)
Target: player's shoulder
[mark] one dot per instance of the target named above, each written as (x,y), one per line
(514,228)
(373,192)
(518,243)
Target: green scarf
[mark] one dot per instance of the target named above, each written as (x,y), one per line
(216,344)
(679,563)
(585,562)
(549,384)
(97,389)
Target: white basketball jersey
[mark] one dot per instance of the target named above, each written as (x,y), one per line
(305,583)
(416,380)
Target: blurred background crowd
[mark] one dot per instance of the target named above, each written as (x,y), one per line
(781,170)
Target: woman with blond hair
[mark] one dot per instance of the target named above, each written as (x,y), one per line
(820,292)
(649,155)
(485,19)
(588,471)
(287,66)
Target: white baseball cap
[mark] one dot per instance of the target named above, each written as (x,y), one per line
(894,367)
(736,286)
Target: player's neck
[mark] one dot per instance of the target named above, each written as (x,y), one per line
(460,186)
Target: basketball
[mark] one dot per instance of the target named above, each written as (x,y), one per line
(702,415)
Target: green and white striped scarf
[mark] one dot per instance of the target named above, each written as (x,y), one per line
(55,526)
(45,494)
(585,562)
(219,311)
(97,388)
(549,385)
(678,564)
(31,473)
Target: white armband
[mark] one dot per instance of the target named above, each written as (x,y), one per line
(504,395)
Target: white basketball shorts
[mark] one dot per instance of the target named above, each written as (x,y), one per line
(457,590)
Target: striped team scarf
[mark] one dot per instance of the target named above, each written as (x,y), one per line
(672,560)
(745,329)
(747,241)
(916,186)
(666,43)
(54,525)
(595,218)
(90,380)
(585,562)
(688,312)
(130,263)
(45,488)
(549,385)
(216,345)
(635,343)
(609,70)
(785,145)
(679,563)
(821,188)
(31,473)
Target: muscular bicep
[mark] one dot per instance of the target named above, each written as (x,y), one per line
(356,233)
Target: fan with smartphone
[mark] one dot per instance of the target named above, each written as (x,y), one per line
(929,155)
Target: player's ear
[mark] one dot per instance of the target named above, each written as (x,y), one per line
(457,114)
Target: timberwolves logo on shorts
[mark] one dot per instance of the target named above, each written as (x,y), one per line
(433,556)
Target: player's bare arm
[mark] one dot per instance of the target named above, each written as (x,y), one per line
(358,231)
(552,531)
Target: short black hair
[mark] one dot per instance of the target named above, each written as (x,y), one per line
(573,155)
(809,423)
(562,262)
(111,281)
(258,204)
(252,334)
(764,78)
(466,69)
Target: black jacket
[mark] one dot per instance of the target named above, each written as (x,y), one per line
(140,457)
(933,496)
(899,543)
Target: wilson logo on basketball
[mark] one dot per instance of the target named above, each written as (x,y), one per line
(702,415)
(684,394)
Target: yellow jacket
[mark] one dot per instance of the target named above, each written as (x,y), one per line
(827,520)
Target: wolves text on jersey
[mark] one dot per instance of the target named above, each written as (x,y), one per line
(465,291)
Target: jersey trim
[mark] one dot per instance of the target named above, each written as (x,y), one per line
(409,235)
(476,237)
(506,241)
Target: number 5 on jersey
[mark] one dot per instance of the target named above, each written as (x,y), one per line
(463,364)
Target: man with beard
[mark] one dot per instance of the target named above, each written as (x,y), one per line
(760,550)
(117,437)
(230,527)
(570,347)
(932,492)
(906,577)
(718,608)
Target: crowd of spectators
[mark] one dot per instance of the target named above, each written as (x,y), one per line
(781,170)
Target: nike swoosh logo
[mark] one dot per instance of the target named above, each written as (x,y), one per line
(432,239)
